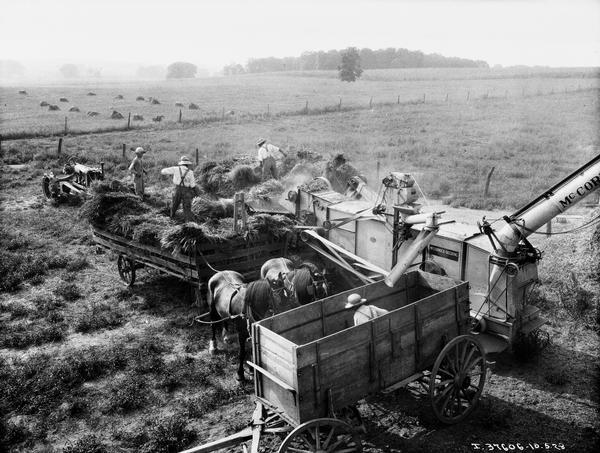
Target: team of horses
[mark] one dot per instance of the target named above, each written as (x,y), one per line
(282,286)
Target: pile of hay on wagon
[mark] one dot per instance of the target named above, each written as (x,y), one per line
(114,208)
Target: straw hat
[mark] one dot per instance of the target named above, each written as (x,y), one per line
(261,142)
(354,300)
(185,161)
(139,150)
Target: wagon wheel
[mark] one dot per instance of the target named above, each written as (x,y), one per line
(322,435)
(46,187)
(126,269)
(457,379)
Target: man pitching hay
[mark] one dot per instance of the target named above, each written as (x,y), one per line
(137,170)
(185,186)
(267,157)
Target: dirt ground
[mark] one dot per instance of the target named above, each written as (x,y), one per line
(549,402)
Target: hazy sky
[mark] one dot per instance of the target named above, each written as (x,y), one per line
(212,33)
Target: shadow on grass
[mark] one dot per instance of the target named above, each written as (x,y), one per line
(401,422)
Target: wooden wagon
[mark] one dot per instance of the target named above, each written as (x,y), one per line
(239,255)
(312,363)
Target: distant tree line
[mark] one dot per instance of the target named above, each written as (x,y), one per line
(369,59)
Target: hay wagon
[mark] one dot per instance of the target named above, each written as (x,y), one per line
(238,254)
(312,363)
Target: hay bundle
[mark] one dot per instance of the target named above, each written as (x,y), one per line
(179,104)
(119,96)
(183,238)
(53,107)
(116,115)
(150,230)
(243,176)
(140,98)
(138,118)
(213,178)
(92,114)
(102,207)
(193,106)
(154,101)
(315,185)
(269,189)
(205,208)
(277,226)
(158,118)
(63,100)
(91,93)
(44,104)
(74,109)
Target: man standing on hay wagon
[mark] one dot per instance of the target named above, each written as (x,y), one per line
(137,170)
(185,187)
(267,156)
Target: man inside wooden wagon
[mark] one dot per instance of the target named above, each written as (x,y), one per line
(364,313)
(184,186)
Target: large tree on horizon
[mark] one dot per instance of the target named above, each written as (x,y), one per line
(349,70)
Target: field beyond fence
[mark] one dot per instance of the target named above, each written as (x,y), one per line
(237,99)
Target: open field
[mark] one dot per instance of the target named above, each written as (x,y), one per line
(239,98)
(87,365)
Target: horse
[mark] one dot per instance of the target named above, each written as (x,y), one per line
(305,283)
(275,271)
(230,298)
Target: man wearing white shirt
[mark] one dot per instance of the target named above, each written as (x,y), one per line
(185,187)
(267,156)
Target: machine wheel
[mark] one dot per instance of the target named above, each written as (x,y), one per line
(126,269)
(457,379)
(322,435)
(46,187)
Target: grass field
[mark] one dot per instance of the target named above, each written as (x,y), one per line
(89,366)
(239,98)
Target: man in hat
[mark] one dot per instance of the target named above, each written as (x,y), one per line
(137,170)
(267,157)
(185,186)
(363,313)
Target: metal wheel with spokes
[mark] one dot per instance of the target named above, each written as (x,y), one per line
(322,435)
(126,269)
(457,379)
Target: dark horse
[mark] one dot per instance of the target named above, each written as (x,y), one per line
(304,283)
(229,298)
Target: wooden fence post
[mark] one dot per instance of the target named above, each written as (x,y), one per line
(340,105)
(179,120)
(124,148)
(268,109)
(446,97)
(487,186)
(306,108)
(423,98)
(223,114)
(197,159)
(398,99)
(129,121)
(378,167)
(468,95)
(59,146)
(371,103)
(65,125)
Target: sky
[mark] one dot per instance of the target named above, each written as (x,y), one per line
(213,33)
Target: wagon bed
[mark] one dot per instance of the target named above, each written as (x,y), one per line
(321,362)
(238,255)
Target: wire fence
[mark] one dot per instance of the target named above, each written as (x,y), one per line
(239,110)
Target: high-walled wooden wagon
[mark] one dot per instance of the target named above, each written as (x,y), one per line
(312,363)
(241,255)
